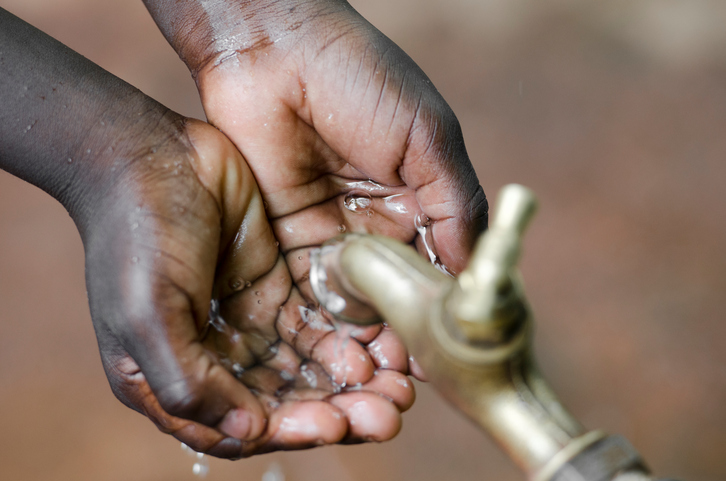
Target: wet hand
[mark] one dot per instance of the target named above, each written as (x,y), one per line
(264,368)
(342,130)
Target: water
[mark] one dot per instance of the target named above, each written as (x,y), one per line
(423,226)
(274,473)
(393,205)
(358,202)
(237,283)
(309,376)
(200,467)
(376,350)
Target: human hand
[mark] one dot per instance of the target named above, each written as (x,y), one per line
(323,106)
(186,225)
(171,218)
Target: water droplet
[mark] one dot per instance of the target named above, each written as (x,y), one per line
(341,228)
(236,283)
(88,151)
(237,369)
(201,463)
(134,226)
(200,469)
(394,205)
(376,350)
(299,258)
(259,301)
(358,202)
(248,284)
(309,376)
(135,260)
(257,293)
(277,244)
(421,220)
(69,160)
(369,213)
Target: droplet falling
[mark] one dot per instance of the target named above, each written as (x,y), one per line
(200,467)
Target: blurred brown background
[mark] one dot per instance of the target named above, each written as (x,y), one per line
(613,112)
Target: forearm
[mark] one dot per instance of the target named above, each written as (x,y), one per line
(204,31)
(66,125)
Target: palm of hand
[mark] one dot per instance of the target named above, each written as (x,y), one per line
(197,231)
(343,133)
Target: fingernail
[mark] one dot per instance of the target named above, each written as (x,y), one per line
(236,423)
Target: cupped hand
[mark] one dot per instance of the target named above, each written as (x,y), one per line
(343,131)
(184,228)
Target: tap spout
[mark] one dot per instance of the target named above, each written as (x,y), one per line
(473,338)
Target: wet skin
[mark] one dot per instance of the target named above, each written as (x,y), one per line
(316,99)
(171,218)
(325,108)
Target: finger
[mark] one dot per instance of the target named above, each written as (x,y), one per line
(299,425)
(253,310)
(388,352)
(300,326)
(161,337)
(393,385)
(370,417)
(130,387)
(343,358)
(414,368)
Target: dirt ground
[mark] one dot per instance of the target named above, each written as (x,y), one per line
(613,112)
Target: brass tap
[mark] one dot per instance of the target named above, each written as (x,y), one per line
(473,338)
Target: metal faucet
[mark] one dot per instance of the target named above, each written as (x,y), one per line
(473,338)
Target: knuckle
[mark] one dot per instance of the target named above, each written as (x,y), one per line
(183,399)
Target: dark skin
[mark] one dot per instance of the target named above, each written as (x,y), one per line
(171,218)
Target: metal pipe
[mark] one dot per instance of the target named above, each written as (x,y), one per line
(473,338)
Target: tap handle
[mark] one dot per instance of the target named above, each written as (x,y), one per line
(489,303)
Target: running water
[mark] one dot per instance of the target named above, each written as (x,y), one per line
(423,226)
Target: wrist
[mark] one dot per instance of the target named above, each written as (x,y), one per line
(206,33)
